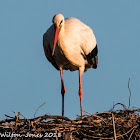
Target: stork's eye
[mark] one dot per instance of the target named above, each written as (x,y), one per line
(61,22)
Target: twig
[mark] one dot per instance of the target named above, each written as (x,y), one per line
(39,108)
(22,115)
(114,126)
(87,112)
(129,91)
(127,132)
(131,134)
(51,117)
(8,116)
(125,108)
(14,113)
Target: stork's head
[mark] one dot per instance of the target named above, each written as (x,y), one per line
(58,21)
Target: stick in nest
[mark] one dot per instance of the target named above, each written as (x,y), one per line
(114,126)
(39,108)
(129,91)
(125,108)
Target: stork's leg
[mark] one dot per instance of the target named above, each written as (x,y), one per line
(62,90)
(80,92)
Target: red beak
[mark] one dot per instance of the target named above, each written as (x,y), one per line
(55,38)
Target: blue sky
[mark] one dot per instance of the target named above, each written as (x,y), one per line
(27,79)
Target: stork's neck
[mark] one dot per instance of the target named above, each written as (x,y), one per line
(62,30)
(62,39)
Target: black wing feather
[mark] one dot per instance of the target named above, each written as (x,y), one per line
(92,57)
(48,52)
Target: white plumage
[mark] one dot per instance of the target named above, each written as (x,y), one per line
(71,45)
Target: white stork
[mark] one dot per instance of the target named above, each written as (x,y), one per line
(71,45)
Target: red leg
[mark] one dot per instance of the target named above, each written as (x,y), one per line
(62,90)
(80,92)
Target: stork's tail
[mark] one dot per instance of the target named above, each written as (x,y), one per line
(92,57)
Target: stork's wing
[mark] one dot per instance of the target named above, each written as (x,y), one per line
(88,40)
(48,51)
(89,46)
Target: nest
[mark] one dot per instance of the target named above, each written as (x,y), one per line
(111,125)
(120,124)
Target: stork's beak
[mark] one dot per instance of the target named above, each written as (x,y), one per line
(55,38)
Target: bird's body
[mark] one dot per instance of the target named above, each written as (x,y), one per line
(74,43)
(76,47)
